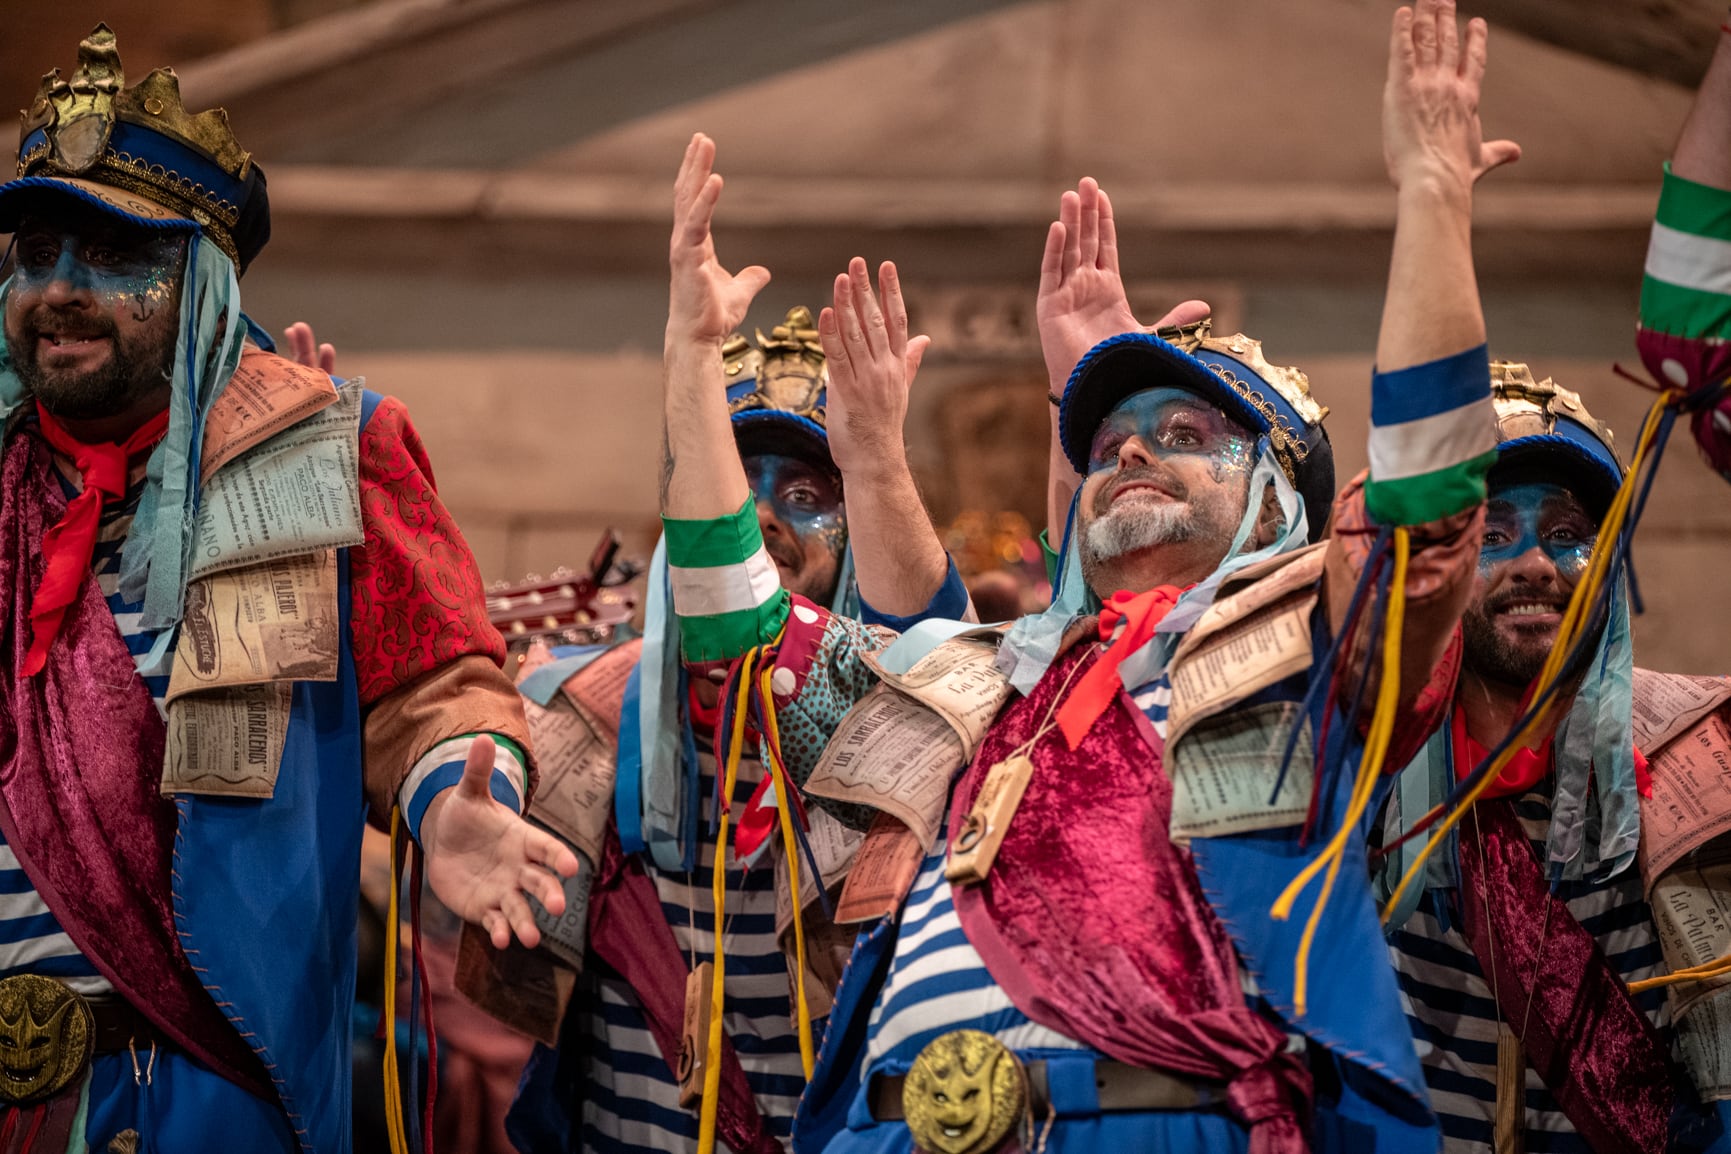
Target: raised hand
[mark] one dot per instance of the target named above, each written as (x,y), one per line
(872,363)
(482,858)
(304,349)
(1430,107)
(708,303)
(1082,299)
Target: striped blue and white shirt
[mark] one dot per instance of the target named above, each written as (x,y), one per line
(632,1099)
(938,982)
(1453,1014)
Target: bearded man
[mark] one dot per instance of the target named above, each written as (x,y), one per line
(1527,968)
(1535,968)
(240,622)
(1060,970)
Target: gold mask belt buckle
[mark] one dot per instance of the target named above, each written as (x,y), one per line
(964,1094)
(47,1036)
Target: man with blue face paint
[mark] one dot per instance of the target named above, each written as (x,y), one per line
(1536,958)
(621,1068)
(1068,942)
(1532,966)
(203,696)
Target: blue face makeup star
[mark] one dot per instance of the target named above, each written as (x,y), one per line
(1174,423)
(1521,518)
(802,497)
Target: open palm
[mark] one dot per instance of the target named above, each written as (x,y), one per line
(1430,115)
(1082,300)
(708,303)
(482,859)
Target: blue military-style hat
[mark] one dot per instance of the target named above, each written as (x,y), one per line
(776,390)
(1545,430)
(1229,372)
(137,154)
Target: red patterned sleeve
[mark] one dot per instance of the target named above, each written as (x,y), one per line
(418,599)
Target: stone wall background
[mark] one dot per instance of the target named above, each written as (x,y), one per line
(470,200)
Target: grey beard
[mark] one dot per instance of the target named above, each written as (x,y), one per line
(1135,526)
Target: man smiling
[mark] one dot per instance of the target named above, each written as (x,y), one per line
(99,367)
(1516,963)
(1513,971)
(204,689)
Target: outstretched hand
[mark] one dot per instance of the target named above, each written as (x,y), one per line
(1082,300)
(872,363)
(708,303)
(1430,105)
(304,349)
(482,859)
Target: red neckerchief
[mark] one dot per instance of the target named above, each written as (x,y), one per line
(1139,613)
(704,718)
(1527,768)
(69,545)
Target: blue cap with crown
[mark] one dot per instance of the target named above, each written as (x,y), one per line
(1544,429)
(776,390)
(1229,372)
(136,153)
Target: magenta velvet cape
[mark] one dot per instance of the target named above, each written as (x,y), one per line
(1598,1053)
(1093,922)
(81,748)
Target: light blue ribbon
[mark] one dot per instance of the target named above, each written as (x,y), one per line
(1595,742)
(158,553)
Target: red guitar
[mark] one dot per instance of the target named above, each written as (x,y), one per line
(567,607)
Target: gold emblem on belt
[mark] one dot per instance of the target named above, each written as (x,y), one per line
(964,1094)
(47,1034)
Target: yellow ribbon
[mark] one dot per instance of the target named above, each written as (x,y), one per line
(718,872)
(1574,621)
(1376,744)
(790,844)
(393,1084)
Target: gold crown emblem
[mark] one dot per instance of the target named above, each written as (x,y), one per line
(788,366)
(1526,407)
(1290,447)
(79,115)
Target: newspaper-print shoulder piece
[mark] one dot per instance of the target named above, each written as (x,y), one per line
(1683,725)
(281,476)
(898,750)
(296,492)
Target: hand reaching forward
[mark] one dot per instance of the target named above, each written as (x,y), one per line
(304,349)
(482,858)
(708,303)
(1430,105)
(872,363)
(1082,300)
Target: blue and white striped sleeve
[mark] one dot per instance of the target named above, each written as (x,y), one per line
(1433,439)
(441,768)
